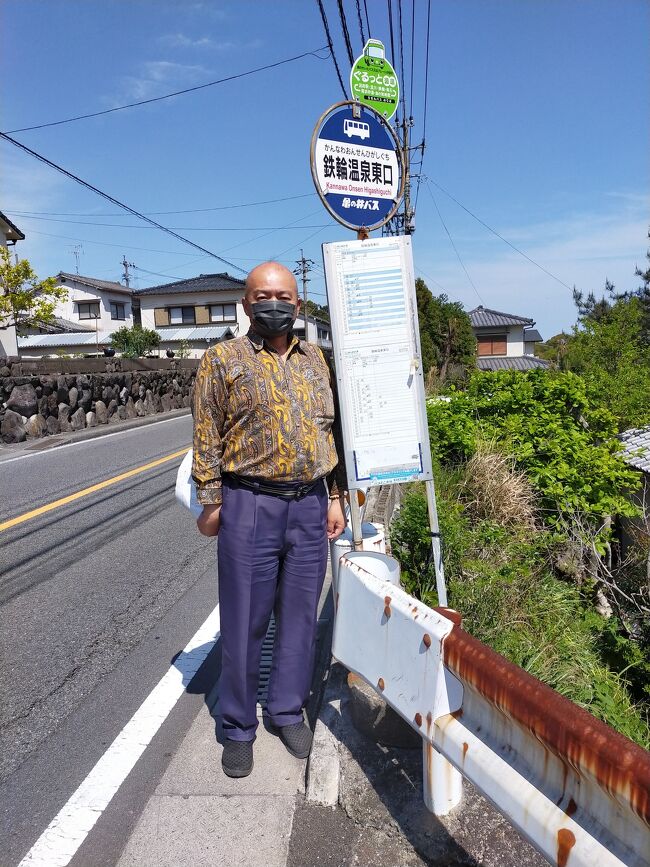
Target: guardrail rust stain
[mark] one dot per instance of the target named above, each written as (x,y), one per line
(565,842)
(572,734)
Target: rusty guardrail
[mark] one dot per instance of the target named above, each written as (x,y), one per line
(575,788)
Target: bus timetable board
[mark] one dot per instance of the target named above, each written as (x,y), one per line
(371,296)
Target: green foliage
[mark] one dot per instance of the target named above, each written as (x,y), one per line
(134,342)
(549,423)
(320,310)
(184,349)
(502,582)
(612,355)
(446,335)
(24,299)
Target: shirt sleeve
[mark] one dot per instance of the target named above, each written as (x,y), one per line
(209,417)
(337,481)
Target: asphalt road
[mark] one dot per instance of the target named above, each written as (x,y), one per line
(96,598)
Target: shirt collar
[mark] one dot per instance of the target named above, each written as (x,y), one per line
(259,342)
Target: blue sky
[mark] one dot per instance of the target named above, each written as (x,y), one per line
(537,122)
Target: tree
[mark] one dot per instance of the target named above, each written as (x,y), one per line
(24,299)
(446,335)
(320,310)
(612,355)
(134,342)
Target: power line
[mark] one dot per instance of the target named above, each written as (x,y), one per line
(494,232)
(363,36)
(119,204)
(331,46)
(401,57)
(365,9)
(412,54)
(392,39)
(175,93)
(453,245)
(107,244)
(426,80)
(162,213)
(346,32)
(177,228)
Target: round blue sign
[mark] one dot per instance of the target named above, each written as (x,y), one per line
(356,166)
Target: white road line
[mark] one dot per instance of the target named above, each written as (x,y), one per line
(93,439)
(66,832)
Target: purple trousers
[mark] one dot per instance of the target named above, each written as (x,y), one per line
(272,556)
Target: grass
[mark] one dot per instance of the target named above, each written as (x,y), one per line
(500,577)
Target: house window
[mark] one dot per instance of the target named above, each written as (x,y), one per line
(117,310)
(223,313)
(181,316)
(323,334)
(88,310)
(492,344)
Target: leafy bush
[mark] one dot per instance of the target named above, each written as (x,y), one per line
(548,422)
(501,580)
(134,342)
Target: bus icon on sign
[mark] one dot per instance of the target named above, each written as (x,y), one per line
(356,127)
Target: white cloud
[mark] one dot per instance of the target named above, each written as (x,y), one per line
(182,40)
(153,74)
(581,249)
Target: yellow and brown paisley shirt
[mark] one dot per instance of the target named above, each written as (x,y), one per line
(256,415)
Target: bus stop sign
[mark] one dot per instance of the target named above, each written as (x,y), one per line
(356,166)
(373,80)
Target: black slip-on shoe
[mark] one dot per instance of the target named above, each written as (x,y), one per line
(297,739)
(237,758)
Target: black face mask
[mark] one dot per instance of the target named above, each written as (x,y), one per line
(273,318)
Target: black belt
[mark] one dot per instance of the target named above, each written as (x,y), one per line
(285,490)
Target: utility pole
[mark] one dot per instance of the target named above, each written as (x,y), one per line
(403,223)
(302,269)
(126,266)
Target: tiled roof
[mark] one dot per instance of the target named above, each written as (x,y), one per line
(106,285)
(515,362)
(636,447)
(58,324)
(14,233)
(483,317)
(203,332)
(202,283)
(532,334)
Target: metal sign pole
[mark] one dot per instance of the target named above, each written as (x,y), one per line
(436,548)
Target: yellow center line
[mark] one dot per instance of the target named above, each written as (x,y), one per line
(91,490)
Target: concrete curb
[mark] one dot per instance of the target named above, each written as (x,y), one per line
(323,767)
(8,451)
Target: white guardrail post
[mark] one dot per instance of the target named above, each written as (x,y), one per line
(572,786)
(395,643)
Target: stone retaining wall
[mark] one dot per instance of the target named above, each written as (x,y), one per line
(36,403)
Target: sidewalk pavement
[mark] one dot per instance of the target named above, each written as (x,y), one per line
(357,802)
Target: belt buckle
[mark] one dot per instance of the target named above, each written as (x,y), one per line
(301,492)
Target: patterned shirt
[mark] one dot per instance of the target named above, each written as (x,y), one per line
(256,415)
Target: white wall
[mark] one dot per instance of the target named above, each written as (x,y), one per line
(79,292)
(8,345)
(515,345)
(149,303)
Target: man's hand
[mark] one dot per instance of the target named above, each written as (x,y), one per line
(209,520)
(335,520)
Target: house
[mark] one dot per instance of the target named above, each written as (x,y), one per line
(9,234)
(204,310)
(505,341)
(84,322)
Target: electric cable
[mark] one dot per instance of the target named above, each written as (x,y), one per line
(401,58)
(365,8)
(346,32)
(453,245)
(331,46)
(392,38)
(115,201)
(160,213)
(412,55)
(176,228)
(494,232)
(170,95)
(107,244)
(363,37)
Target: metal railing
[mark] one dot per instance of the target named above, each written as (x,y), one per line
(571,785)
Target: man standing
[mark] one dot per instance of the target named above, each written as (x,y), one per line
(263,450)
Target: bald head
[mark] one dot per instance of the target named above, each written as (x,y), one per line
(271,281)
